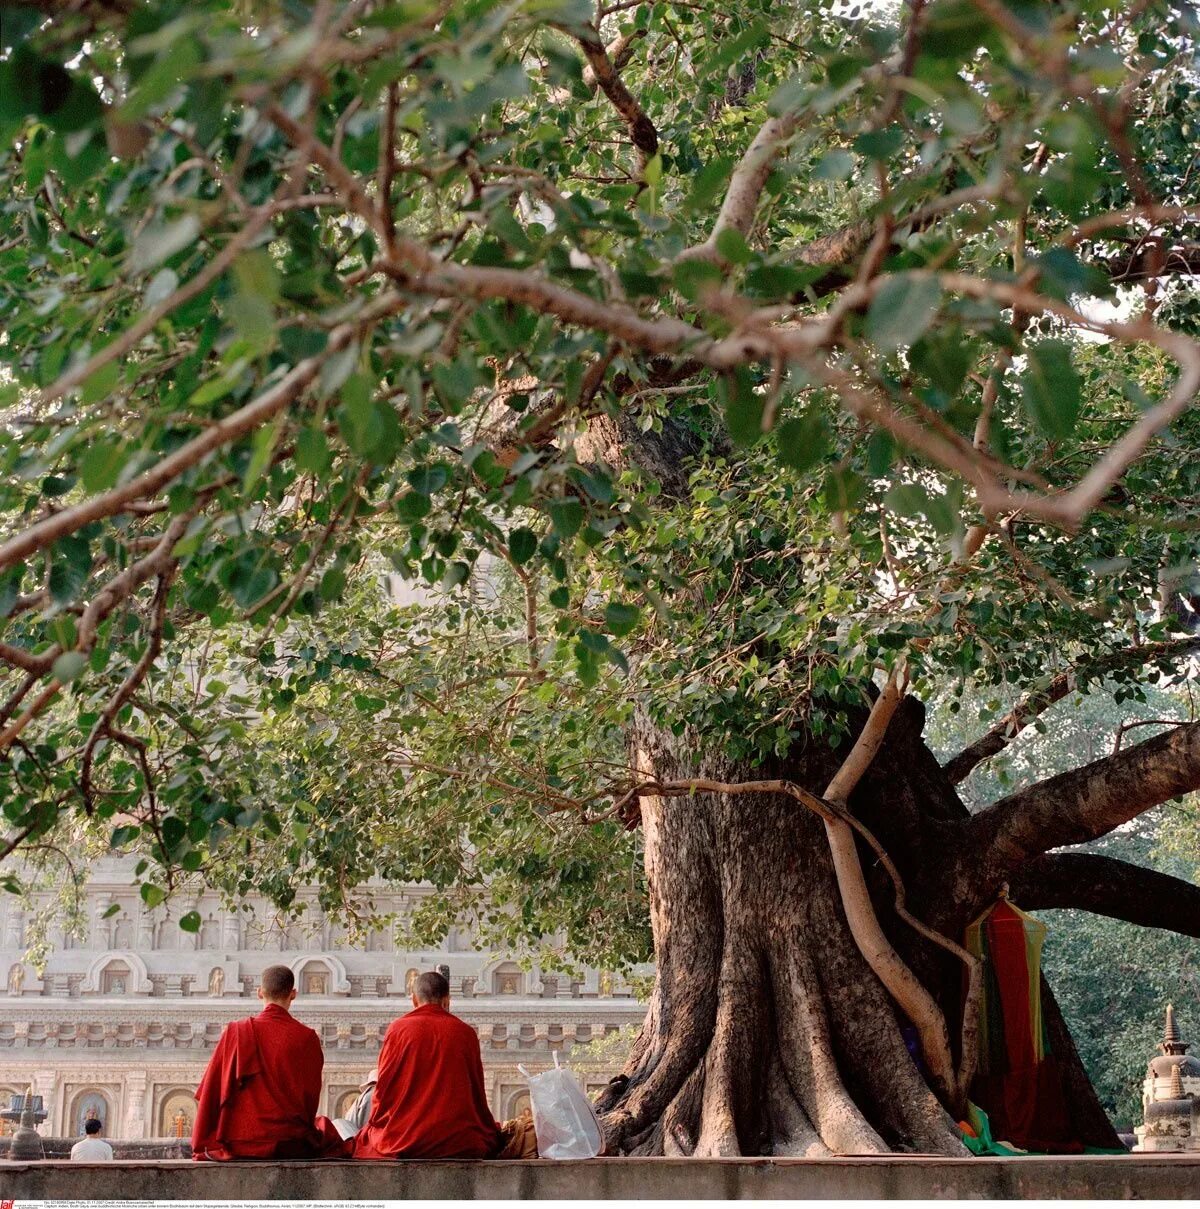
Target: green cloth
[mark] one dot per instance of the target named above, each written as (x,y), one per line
(985,1144)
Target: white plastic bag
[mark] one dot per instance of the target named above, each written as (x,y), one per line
(563,1119)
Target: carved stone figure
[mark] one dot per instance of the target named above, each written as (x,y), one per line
(216,982)
(14,927)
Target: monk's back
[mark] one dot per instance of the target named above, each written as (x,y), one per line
(430,1100)
(259,1095)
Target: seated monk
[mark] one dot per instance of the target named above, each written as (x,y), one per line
(429,1102)
(258,1098)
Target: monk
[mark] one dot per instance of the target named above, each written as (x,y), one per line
(429,1102)
(258,1098)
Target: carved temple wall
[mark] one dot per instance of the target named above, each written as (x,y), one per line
(120,1021)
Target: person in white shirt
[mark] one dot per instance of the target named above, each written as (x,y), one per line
(92,1149)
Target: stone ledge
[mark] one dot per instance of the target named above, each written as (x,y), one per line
(908,1177)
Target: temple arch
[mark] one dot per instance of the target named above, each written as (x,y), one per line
(323,975)
(127,968)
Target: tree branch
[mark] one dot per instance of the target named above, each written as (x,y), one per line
(104,724)
(1004,731)
(1103,885)
(1081,805)
(222,432)
(608,79)
(745,186)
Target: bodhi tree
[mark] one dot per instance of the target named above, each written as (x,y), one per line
(773,366)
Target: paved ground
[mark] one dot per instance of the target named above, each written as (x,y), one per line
(902,1177)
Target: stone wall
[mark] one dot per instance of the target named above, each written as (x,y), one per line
(895,1177)
(153,1148)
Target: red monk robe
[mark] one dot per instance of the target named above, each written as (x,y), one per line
(258,1098)
(429,1101)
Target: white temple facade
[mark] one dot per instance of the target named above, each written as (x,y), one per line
(120,1024)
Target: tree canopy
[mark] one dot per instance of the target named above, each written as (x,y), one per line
(697,360)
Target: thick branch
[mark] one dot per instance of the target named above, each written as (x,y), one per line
(1004,731)
(1083,804)
(746,185)
(1103,885)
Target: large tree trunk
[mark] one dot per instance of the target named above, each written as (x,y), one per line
(767,1032)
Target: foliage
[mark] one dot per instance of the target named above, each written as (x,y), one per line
(738,352)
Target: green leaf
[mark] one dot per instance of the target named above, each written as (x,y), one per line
(312,451)
(69,665)
(101,463)
(620,618)
(944,357)
(802,441)
(743,407)
(566,515)
(162,240)
(191,922)
(160,287)
(71,564)
(902,310)
(522,545)
(333,583)
(262,446)
(100,384)
(1050,388)
(834,165)
(124,835)
(428,480)
(152,895)
(880,144)
(337,368)
(732,246)
(169,70)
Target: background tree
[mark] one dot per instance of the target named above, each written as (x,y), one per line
(778,365)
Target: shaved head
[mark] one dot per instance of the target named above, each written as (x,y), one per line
(278,982)
(431,987)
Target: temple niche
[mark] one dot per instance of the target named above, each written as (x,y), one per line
(210,933)
(176,1113)
(314,979)
(123,933)
(89,1105)
(508,979)
(1170,1108)
(16,979)
(115,979)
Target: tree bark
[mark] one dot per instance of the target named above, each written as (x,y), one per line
(767,1032)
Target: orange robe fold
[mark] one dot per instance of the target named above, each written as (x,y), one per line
(430,1101)
(258,1098)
